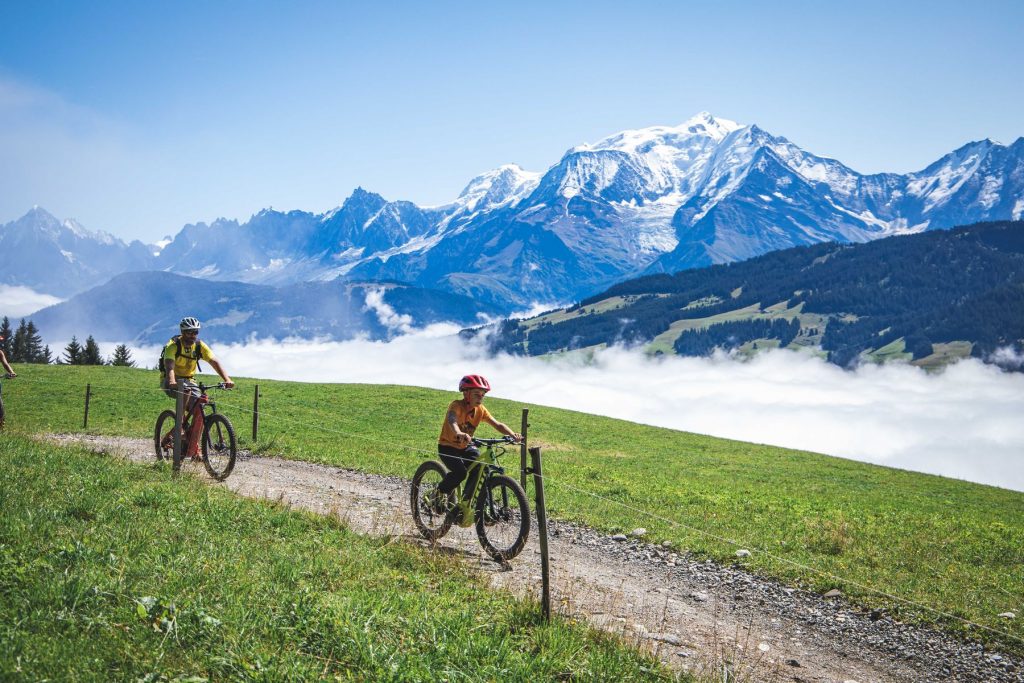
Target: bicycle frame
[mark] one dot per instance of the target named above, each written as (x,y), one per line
(486,465)
(203,402)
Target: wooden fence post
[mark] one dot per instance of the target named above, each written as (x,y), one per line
(542,524)
(255,411)
(179,410)
(88,394)
(522,449)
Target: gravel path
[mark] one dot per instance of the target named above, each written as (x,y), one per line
(695,615)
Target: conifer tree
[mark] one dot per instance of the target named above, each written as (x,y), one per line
(18,345)
(47,355)
(72,352)
(8,334)
(122,357)
(33,344)
(91,352)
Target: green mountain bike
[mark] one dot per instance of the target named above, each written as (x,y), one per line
(497,506)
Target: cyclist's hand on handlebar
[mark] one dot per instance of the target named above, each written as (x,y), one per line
(464,439)
(228,384)
(10,375)
(514,438)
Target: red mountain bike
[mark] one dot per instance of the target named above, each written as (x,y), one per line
(219,446)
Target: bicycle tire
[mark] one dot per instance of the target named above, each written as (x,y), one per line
(219,446)
(160,432)
(502,517)
(432,523)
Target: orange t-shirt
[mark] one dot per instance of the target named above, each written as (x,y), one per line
(467,418)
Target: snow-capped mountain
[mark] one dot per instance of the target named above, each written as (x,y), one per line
(640,201)
(61,257)
(707,191)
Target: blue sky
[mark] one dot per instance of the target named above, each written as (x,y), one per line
(136,118)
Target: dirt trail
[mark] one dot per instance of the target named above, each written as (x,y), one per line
(696,616)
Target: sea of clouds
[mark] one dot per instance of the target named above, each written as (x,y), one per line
(963,422)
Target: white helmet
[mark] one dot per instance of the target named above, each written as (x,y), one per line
(188,324)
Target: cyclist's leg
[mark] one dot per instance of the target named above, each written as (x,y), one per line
(457,460)
(194,408)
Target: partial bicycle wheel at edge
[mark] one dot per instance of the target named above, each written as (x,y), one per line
(502,517)
(219,446)
(163,435)
(431,517)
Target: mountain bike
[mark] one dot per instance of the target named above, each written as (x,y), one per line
(219,446)
(497,505)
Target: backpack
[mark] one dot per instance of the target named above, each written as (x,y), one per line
(179,353)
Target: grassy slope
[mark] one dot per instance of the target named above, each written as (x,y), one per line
(110,571)
(952,545)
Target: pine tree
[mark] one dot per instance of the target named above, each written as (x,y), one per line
(122,357)
(91,353)
(8,334)
(33,344)
(47,355)
(72,352)
(18,345)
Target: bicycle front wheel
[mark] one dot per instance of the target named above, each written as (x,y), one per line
(429,507)
(502,517)
(219,446)
(163,436)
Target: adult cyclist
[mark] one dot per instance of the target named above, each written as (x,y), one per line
(180,359)
(9,374)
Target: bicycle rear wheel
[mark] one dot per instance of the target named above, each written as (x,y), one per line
(163,436)
(429,508)
(219,446)
(502,517)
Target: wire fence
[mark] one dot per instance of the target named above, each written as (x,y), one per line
(558,483)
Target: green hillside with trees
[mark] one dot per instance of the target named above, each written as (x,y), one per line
(912,295)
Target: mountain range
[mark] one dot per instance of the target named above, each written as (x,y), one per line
(652,200)
(928,298)
(144,308)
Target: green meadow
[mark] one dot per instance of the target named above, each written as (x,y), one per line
(114,572)
(924,548)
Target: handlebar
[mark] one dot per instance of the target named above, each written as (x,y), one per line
(218,385)
(8,375)
(493,442)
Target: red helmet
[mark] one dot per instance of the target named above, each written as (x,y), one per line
(474,382)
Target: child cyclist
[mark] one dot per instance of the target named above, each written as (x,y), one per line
(455,445)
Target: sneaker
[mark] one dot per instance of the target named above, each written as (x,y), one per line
(464,521)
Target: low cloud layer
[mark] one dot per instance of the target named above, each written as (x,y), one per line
(964,422)
(17,301)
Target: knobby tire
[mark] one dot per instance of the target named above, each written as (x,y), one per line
(433,524)
(501,511)
(219,446)
(163,429)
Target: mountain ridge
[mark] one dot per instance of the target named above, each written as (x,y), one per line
(647,200)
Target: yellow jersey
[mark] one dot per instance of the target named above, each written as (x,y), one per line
(191,354)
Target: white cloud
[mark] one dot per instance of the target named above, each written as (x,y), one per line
(964,422)
(17,301)
(388,317)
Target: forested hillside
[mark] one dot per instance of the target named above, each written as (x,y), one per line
(908,295)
